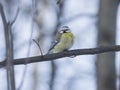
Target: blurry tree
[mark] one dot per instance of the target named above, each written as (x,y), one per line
(38,10)
(41,12)
(59,12)
(106,72)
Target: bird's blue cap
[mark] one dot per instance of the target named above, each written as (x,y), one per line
(64,28)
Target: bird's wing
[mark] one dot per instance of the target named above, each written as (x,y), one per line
(53,44)
(56,41)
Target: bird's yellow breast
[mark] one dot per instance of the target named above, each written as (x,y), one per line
(66,41)
(66,38)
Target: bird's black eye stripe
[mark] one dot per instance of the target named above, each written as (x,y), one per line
(67,31)
(64,31)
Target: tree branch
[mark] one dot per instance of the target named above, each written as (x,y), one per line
(16,15)
(3,16)
(77,52)
(9,51)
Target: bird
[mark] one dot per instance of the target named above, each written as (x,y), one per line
(63,41)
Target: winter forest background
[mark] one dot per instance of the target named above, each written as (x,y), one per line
(94,23)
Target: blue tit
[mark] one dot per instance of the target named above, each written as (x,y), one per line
(63,40)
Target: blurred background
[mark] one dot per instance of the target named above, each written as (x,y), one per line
(93,22)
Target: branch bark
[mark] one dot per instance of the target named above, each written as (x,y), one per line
(9,51)
(77,52)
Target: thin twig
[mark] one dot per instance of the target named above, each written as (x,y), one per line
(38,47)
(77,52)
(16,15)
(3,15)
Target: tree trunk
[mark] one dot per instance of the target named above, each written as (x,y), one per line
(106,74)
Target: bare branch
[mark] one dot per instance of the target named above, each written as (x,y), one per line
(16,15)
(77,52)
(9,51)
(3,15)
